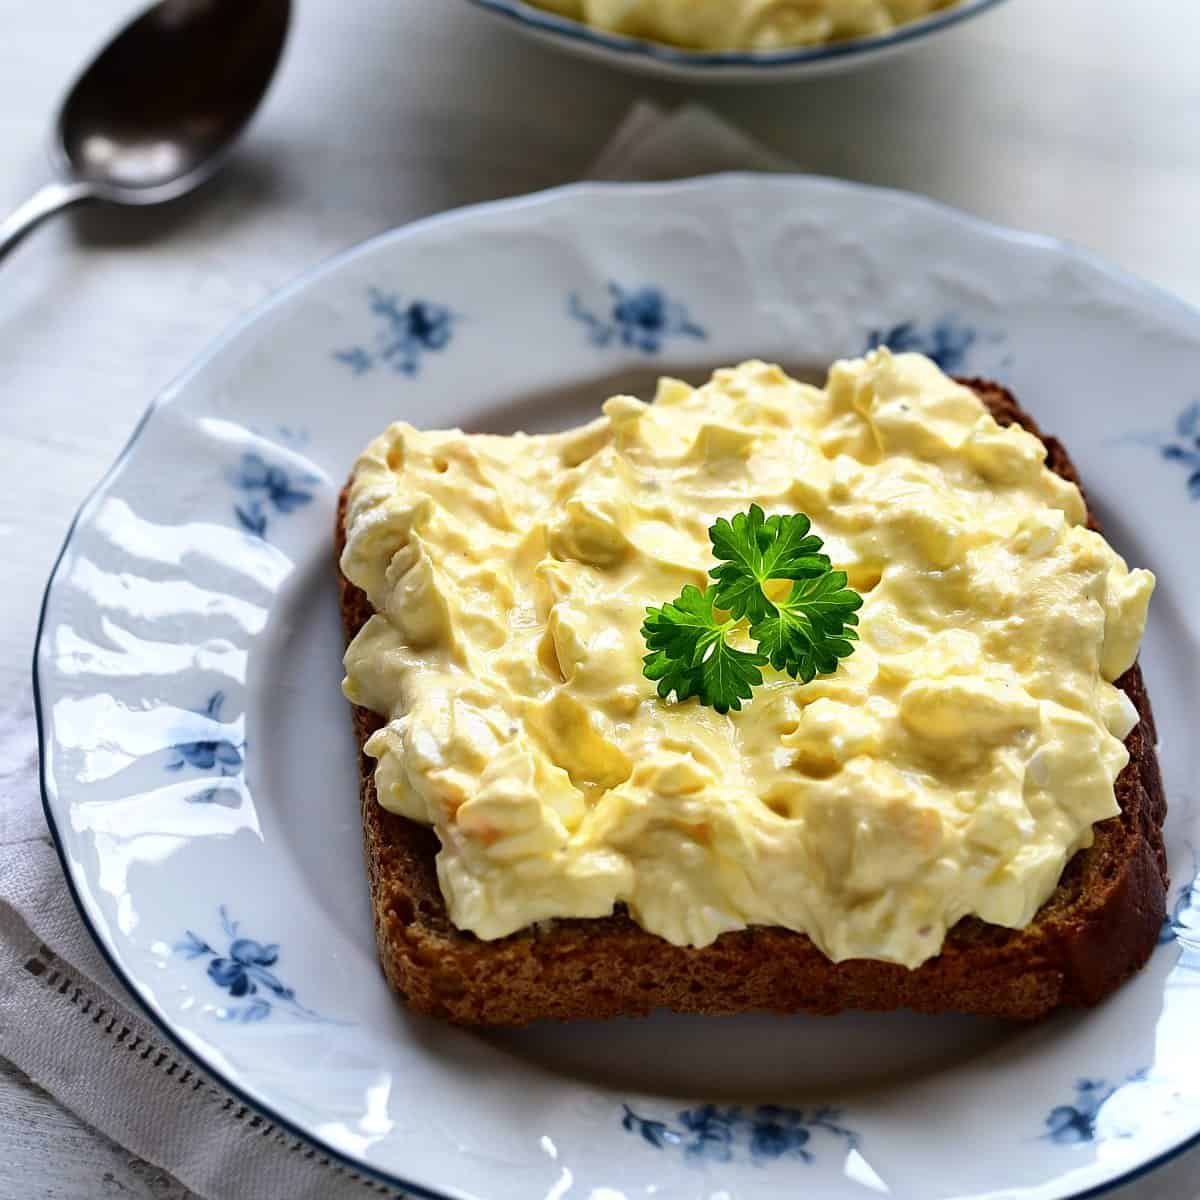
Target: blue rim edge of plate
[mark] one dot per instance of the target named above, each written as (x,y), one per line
(298,284)
(546,22)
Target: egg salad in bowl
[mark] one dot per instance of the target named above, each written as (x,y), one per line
(745,24)
(727,41)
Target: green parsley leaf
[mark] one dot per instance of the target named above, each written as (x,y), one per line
(809,631)
(806,633)
(690,656)
(758,548)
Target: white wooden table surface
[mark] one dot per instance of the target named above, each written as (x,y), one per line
(1079,118)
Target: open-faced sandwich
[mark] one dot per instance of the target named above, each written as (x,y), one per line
(758,696)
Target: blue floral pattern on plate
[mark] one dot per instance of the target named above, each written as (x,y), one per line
(1182,923)
(1184,447)
(244,971)
(639,318)
(266,489)
(1071,1124)
(206,753)
(1074,1123)
(407,332)
(947,342)
(716,1133)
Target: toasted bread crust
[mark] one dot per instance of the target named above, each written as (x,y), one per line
(1097,929)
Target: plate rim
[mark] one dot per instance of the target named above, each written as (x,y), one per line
(1134,284)
(642,50)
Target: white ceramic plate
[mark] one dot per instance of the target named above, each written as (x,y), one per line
(200,774)
(733,66)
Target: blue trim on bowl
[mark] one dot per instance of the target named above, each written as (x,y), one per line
(556,26)
(300,283)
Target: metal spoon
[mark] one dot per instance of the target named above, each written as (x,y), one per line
(159,109)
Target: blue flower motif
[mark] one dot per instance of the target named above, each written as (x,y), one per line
(777,1132)
(712,1131)
(206,753)
(244,971)
(1076,1123)
(1184,447)
(639,318)
(947,342)
(266,487)
(657,1133)
(357,358)
(407,332)
(1069,1124)
(715,1133)
(1182,923)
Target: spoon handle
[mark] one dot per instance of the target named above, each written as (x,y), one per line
(52,198)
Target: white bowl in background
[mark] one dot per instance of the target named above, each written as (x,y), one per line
(730,66)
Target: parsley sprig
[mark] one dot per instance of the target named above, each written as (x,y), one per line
(805,632)
(691,656)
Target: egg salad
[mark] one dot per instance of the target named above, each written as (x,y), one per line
(715,25)
(951,765)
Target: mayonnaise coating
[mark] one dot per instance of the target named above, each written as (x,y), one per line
(952,765)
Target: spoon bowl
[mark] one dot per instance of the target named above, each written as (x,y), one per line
(158,110)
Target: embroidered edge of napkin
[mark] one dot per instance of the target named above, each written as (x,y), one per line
(119,1074)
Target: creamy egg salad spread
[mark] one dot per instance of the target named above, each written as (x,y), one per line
(951,765)
(715,25)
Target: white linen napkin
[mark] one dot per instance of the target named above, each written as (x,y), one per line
(72,1028)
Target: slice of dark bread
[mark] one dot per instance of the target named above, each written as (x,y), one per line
(1096,930)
